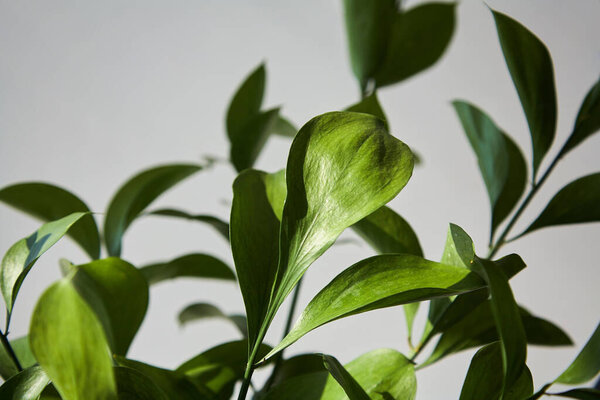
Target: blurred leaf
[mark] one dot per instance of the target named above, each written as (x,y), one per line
(345,380)
(577,202)
(246,102)
(500,161)
(297,365)
(530,67)
(418,39)
(283,127)
(378,282)
(276,191)
(21,348)
(586,365)
(21,257)
(221,226)
(191,265)
(133,385)
(588,119)
(68,341)
(581,394)
(135,195)
(26,385)
(197,311)
(247,144)
(410,312)
(370,105)
(48,203)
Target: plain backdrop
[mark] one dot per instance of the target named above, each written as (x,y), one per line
(93,92)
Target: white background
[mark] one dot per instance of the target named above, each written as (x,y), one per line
(93,92)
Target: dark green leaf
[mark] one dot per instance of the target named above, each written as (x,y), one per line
(586,365)
(68,341)
(530,67)
(246,103)
(370,105)
(298,365)
(345,380)
(581,394)
(48,203)
(21,257)
(192,265)
(221,226)
(283,127)
(137,194)
(21,348)
(133,385)
(577,202)
(588,119)
(307,386)
(197,311)
(247,144)
(500,161)
(26,385)
(418,40)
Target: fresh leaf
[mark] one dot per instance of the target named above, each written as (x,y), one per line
(197,311)
(21,257)
(418,39)
(284,127)
(276,189)
(588,119)
(133,385)
(247,144)
(370,105)
(191,265)
(500,161)
(530,67)
(26,385)
(378,282)
(577,202)
(221,226)
(246,102)
(581,394)
(343,377)
(48,203)
(295,366)
(586,365)
(68,341)
(137,194)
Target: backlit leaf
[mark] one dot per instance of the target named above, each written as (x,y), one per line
(191,265)
(586,365)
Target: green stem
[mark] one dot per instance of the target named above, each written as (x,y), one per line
(10,351)
(250,368)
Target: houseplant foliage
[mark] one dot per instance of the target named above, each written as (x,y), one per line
(343,167)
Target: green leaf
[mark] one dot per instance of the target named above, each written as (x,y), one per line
(48,203)
(370,105)
(343,377)
(246,102)
(418,40)
(295,366)
(342,166)
(133,385)
(194,265)
(530,67)
(588,119)
(21,348)
(577,202)
(581,394)
(221,226)
(500,161)
(197,311)
(247,144)
(368,26)
(283,127)
(586,365)
(378,282)
(26,385)
(68,341)
(21,257)
(123,292)
(137,194)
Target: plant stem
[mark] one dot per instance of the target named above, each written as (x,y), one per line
(250,367)
(10,351)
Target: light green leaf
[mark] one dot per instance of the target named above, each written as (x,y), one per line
(48,203)
(68,341)
(26,385)
(276,191)
(577,202)
(246,103)
(21,257)
(133,385)
(588,119)
(123,292)
(247,144)
(135,195)
(345,380)
(370,105)
(530,67)
(197,311)
(221,226)
(191,265)
(587,363)
(378,282)
(500,161)
(283,127)
(419,37)
(581,394)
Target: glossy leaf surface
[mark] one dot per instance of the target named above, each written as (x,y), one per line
(530,67)
(26,385)
(586,365)
(135,195)
(198,311)
(588,119)
(191,265)
(48,203)
(344,379)
(221,226)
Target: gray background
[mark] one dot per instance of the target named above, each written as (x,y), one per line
(93,92)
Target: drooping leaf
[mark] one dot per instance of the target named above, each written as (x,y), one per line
(368,26)
(21,257)
(588,119)
(133,385)
(587,363)
(370,105)
(48,203)
(577,202)
(247,144)
(26,385)
(221,226)
(123,292)
(418,39)
(378,282)
(581,394)
(530,67)
(283,127)
(191,265)
(500,161)
(246,102)
(197,311)
(135,195)
(345,380)
(68,341)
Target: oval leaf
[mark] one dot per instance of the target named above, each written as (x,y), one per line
(192,265)
(283,127)
(247,144)
(345,380)
(137,194)
(26,385)
(588,119)
(197,311)
(370,105)
(221,226)
(587,363)
(246,102)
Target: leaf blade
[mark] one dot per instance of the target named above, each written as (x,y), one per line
(196,265)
